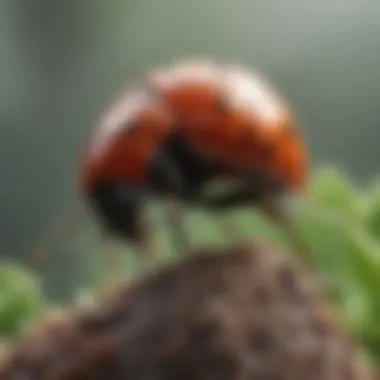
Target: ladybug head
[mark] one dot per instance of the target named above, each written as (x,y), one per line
(117,207)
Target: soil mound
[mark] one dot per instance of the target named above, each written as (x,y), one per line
(246,312)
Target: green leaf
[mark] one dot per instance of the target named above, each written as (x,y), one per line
(21,301)
(364,256)
(372,214)
(332,191)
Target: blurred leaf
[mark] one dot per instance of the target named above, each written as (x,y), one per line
(364,255)
(21,301)
(372,215)
(332,191)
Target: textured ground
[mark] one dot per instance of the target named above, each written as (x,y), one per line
(242,313)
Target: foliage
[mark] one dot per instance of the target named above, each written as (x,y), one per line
(21,300)
(339,222)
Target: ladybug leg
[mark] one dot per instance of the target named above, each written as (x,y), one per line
(118,205)
(254,188)
(175,216)
(229,200)
(240,195)
(168,180)
(265,193)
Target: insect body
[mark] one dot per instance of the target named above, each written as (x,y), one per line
(181,128)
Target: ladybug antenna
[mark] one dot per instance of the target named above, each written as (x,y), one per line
(50,238)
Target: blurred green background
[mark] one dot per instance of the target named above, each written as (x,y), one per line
(62,60)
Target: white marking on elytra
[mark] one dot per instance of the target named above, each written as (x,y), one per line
(187,71)
(119,116)
(245,89)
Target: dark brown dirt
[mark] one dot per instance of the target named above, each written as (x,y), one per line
(239,314)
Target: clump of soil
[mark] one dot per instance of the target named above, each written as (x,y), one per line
(235,314)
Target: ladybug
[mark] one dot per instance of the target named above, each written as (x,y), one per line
(180,128)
